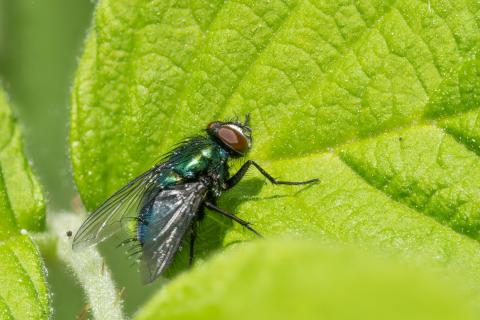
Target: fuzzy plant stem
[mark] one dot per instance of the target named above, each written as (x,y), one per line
(89,268)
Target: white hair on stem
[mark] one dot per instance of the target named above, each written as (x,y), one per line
(89,268)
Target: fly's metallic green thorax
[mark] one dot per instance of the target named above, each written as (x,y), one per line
(198,157)
(167,201)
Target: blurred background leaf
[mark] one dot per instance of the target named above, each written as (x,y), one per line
(39,45)
(293,279)
(24,292)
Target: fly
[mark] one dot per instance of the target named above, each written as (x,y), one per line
(166,202)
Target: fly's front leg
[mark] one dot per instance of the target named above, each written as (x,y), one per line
(243,170)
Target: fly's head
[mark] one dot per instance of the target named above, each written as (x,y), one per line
(234,135)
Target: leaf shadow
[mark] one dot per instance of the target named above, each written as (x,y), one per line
(214,227)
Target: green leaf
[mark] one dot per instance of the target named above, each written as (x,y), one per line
(24,292)
(301,280)
(24,193)
(378,99)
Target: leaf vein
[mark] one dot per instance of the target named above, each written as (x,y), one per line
(255,59)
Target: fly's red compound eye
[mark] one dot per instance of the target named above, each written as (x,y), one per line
(233,138)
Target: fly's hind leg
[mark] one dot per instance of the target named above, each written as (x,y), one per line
(242,222)
(193,233)
(193,237)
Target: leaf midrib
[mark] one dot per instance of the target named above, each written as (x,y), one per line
(431,122)
(336,155)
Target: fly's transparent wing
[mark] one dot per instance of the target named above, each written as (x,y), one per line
(117,211)
(167,219)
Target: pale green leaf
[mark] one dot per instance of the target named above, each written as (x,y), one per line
(23,290)
(378,99)
(301,280)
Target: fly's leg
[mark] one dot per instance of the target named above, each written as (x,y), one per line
(242,222)
(230,183)
(193,237)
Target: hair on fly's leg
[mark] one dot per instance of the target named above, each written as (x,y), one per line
(133,247)
(127,242)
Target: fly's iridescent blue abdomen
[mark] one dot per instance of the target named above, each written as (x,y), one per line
(167,216)
(167,200)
